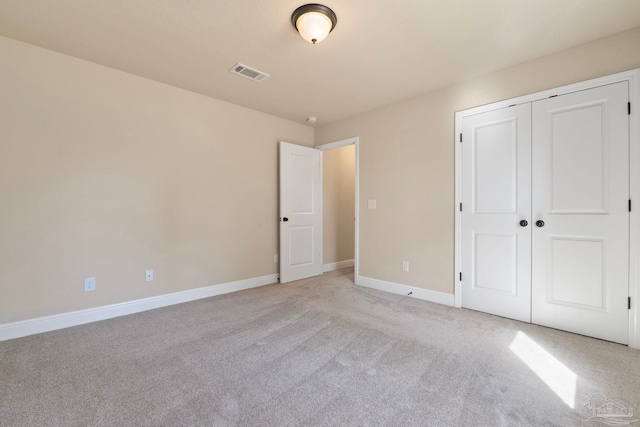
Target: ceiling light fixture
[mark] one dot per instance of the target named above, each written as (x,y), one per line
(314,21)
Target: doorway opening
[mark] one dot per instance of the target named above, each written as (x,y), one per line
(340,204)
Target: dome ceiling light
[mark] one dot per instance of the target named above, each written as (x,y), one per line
(314,21)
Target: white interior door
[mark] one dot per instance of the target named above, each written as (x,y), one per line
(581,192)
(496,197)
(300,212)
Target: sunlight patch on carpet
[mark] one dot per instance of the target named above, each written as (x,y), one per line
(560,379)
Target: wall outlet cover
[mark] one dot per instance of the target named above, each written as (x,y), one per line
(149,275)
(89,284)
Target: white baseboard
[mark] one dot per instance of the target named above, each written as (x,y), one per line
(64,320)
(337,265)
(396,288)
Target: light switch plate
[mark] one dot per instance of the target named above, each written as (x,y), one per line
(371,203)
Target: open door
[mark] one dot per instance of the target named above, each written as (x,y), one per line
(300,213)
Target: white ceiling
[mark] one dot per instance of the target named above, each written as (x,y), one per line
(381,52)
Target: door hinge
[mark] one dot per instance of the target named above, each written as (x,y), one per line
(461,276)
(629,303)
(629,108)
(460,207)
(629,205)
(460,137)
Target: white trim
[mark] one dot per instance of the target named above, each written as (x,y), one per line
(337,265)
(633,77)
(321,244)
(410,291)
(457,287)
(74,318)
(357,212)
(337,144)
(562,90)
(634,216)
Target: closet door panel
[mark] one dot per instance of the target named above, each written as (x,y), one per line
(580,170)
(496,196)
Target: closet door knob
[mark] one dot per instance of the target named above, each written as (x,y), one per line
(539,223)
(523,223)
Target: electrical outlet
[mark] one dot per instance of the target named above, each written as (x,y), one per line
(276,257)
(89,284)
(405,266)
(149,276)
(372,204)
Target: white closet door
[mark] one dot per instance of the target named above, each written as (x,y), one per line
(580,192)
(496,197)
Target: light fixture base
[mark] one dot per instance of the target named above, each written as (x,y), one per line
(317,9)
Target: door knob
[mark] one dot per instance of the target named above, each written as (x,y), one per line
(539,223)
(523,223)
(285,219)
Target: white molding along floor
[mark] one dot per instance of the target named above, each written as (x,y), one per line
(338,265)
(410,291)
(74,318)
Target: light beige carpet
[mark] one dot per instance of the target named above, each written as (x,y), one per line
(317,352)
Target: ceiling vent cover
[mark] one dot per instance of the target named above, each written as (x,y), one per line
(248,72)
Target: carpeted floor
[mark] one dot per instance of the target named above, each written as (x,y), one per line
(317,352)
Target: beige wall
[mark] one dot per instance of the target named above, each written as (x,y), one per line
(338,198)
(106,174)
(407,159)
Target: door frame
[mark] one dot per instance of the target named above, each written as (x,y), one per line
(631,76)
(338,144)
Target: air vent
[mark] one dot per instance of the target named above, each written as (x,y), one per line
(248,72)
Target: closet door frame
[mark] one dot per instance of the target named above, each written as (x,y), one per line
(633,77)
